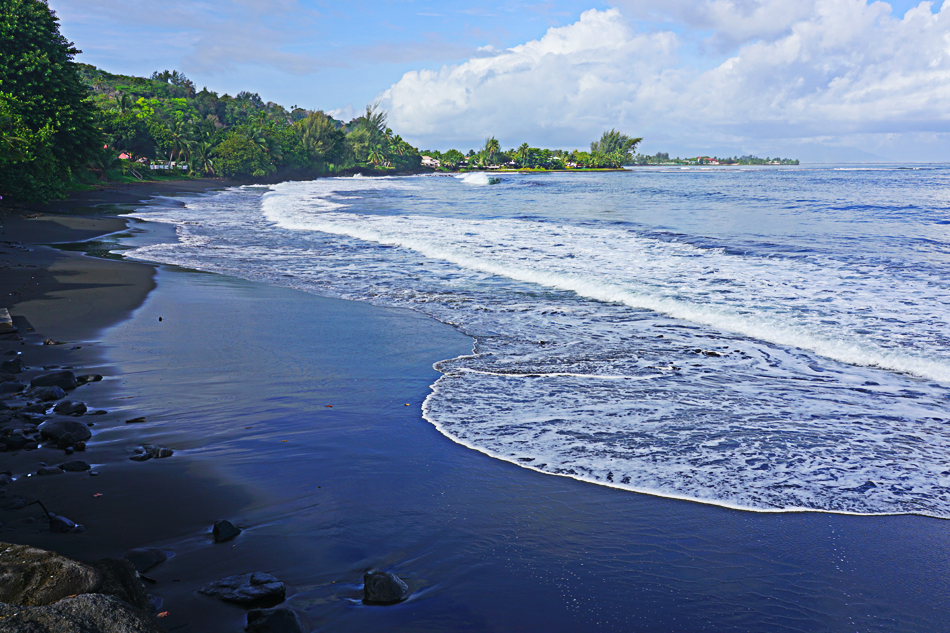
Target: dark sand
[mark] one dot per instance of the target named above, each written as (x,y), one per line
(238,376)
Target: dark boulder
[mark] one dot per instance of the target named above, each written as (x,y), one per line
(15,441)
(254,589)
(12,366)
(75,466)
(14,386)
(144,558)
(382,587)
(70,407)
(224,530)
(71,430)
(50,470)
(272,621)
(65,380)
(46,394)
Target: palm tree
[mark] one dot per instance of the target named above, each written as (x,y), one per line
(201,162)
(492,146)
(523,154)
(123,103)
(376,155)
(178,141)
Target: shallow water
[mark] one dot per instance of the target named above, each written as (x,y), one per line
(238,376)
(764,339)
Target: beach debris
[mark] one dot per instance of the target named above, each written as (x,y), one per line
(281,620)
(66,433)
(75,466)
(12,366)
(163,614)
(50,341)
(65,380)
(59,523)
(46,394)
(253,589)
(96,495)
(383,587)
(148,451)
(224,530)
(144,558)
(69,407)
(6,322)
(138,420)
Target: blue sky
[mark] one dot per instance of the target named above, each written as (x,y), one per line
(816,79)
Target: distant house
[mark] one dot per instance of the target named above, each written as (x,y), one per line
(428,161)
(124,156)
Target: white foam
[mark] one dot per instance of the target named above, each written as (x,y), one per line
(623,358)
(474,178)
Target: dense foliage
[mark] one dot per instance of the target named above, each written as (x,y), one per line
(612,151)
(663,158)
(47,125)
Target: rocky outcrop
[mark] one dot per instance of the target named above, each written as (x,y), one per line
(65,380)
(86,613)
(41,592)
(34,577)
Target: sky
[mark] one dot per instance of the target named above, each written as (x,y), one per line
(818,80)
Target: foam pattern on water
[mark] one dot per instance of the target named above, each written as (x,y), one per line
(751,378)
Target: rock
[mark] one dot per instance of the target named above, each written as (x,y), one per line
(34,577)
(147,452)
(63,379)
(70,407)
(138,420)
(15,503)
(254,589)
(272,621)
(382,587)
(12,387)
(87,613)
(69,430)
(46,394)
(50,341)
(61,525)
(12,366)
(5,479)
(82,380)
(75,466)
(4,406)
(224,530)
(50,470)
(39,407)
(15,441)
(6,377)
(144,558)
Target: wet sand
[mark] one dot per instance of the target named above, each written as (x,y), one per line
(288,416)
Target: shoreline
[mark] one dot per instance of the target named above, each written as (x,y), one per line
(288,415)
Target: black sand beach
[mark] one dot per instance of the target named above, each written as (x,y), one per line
(288,416)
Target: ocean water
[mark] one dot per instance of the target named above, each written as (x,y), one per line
(768,339)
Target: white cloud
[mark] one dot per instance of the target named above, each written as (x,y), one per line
(843,69)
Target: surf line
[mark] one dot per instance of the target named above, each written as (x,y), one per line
(864,353)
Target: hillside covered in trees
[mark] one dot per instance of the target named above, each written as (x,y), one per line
(65,125)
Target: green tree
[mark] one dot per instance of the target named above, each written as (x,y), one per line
(523,152)
(319,138)
(492,147)
(46,97)
(614,141)
(238,156)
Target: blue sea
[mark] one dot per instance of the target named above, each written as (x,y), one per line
(764,339)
